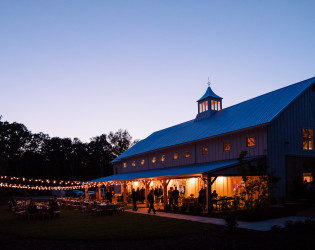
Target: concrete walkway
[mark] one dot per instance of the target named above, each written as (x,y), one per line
(258,226)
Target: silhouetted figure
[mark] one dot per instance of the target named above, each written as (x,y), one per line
(108,196)
(214,195)
(134,197)
(175,196)
(170,196)
(151,201)
(142,191)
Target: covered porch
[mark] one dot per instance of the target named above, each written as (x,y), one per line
(195,183)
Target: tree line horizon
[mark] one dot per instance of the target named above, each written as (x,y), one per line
(37,155)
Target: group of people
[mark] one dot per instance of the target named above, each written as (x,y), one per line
(137,195)
(153,196)
(173,196)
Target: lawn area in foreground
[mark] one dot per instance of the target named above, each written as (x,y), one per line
(86,226)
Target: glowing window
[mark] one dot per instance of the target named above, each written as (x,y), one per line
(212,104)
(187,153)
(200,108)
(307,177)
(153,159)
(219,105)
(308,139)
(250,141)
(162,157)
(205,150)
(134,163)
(206,103)
(175,156)
(125,164)
(226,146)
(142,162)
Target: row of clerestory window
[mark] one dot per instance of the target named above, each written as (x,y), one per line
(250,142)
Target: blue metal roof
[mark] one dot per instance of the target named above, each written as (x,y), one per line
(209,93)
(260,110)
(168,172)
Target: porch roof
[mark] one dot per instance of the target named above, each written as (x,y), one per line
(184,171)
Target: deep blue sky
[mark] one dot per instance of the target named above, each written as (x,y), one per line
(83,68)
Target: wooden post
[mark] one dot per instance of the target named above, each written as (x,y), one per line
(165,194)
(87,192)
(125,192)
(147,190)
(99,192)
(209,183)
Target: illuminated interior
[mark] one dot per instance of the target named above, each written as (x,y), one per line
(226,146)
(205,150)
(153,159)
(175,156)
(307,177)
(250,141)
(187,153)
(308,139)
(163,158)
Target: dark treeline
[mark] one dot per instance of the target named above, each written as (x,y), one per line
(24,154)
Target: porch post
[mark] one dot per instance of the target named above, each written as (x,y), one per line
(125,192)
(165,194)
(86,192)
(99,192)
(209,183)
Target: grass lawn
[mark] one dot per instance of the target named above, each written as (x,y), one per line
(85,226)
(75,230)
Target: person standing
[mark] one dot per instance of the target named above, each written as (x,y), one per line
(150,199)
(134,197)
(175,196)
(170,196)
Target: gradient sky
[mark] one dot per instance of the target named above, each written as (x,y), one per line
(83,68)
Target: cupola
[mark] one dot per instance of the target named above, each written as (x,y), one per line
(208,104)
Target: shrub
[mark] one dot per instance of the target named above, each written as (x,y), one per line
(168,208)
(183,208)
(175,208)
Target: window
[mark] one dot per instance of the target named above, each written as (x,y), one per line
(203,106)
(205,150)
(125,164)
(308,143)
(134,163)
(307,177)
(250,141)
(187,153)
(226,146)
(175,156)
(142,162)
(163,158)
(153,159)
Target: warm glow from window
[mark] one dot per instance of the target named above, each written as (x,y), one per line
(163,158)
(307,177)
(205,150)
(203,106)
(308,139)
(142,162)
(133,163)
(187,153)
(250,141)
(175,156)
(153,159)
(226,146)
(125,164)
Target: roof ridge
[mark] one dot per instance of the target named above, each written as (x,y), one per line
(268,93)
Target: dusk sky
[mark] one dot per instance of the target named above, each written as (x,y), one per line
(83,68)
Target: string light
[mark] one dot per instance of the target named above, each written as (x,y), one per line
(21,186)
(77,183)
